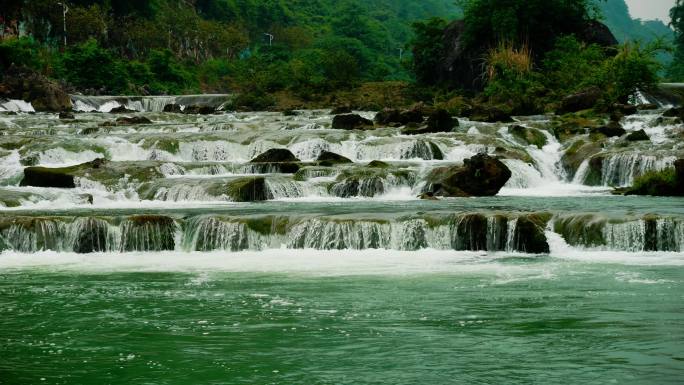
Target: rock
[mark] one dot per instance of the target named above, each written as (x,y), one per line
(148,233)
(529,235)
(130,121)
(679,173)
(276,160)
(340,110)
(612,129)
(66,115)
(528,135)
(378,164)
(595,32)
(441,121)
(647,107)
(390,117)
(173,108)
(275,155)
(481,175)
(583,100)
(250,189)
(63,177)
(92,236)
(122,110)
(351,122)
(490,114)
(626,109)
(199,110)
(28,85)
(676,112)
(290,113)
(329,159)
(637,136)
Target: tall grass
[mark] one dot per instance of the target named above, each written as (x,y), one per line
(506,60)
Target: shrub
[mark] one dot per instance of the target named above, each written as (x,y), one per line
(656,183)
(21,52)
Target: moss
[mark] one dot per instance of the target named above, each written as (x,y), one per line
(657,183)
(578,152)
(528,135)
(268,225)
(169,145)
(378,164)
(251,189)
(570,125)
(583,230)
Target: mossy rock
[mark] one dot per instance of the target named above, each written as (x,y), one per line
(637,136)
(579,151)
(250,189)
(329,159)
(528,135)
(529,235)
(267,225)
(568,126)
(581,231)
(63,177)
(378,164)
(275,155)
(148,233)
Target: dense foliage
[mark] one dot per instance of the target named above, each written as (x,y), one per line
(676,71)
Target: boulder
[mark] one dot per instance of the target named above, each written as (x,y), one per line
(637,136)
(122,110)
(351,122)
(173,108)
(394,117)
(290,113)
(66,115)
(625,109)
(340,110)
(328,159)
(199,110)
(529,235)
(131,121)
(611,129)
(528,135)
(275,155)
(481,175)
(490,114)
(378,164)
(275,160)
(28,85)
(583,100)
(63,177)
(647,107)
(250,189)
(441,120)
(676,112)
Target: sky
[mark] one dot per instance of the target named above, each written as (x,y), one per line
(651,9)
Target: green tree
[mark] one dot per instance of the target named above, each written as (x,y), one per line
(676,70)
(428,49)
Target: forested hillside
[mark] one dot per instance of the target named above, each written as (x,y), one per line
(255,46)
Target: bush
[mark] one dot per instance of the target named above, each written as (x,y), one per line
(21,52)
(572,66)
(634,68)
(88,65)
(656,183)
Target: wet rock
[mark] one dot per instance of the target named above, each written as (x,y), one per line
(63,177)
(290,113)
(625,109)
(583,100)
(131,121)
(612,129)
(390,117)
(528,135)
(122,110)
(340,110)
(148,233)
(594,175)
(276,160)
(329,159)
(637,136)
(275,155)
(66,115)
(351,122)
(43,94)
(529,235)
(490,114)
(647,107)
(481,175)
(439,121)
(173,108)
(92,236)
(378,164)
(676,112)
(578,152)
(250,189)
(199,110)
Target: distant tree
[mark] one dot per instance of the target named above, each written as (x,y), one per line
(428,49)
(676,70)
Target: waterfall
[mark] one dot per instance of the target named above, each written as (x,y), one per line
(621,169)
(145,103)
(15,106)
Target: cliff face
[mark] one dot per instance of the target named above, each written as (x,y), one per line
(462,67)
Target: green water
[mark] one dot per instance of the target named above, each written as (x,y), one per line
(509,321)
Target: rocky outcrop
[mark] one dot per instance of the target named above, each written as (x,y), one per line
(279,160)
(490,114)
(481,175)
(637,136)
(28,85)
(351,122)
(63,177)
(328,159)
(250,189)
(583,100)
(394,117)
(132,121)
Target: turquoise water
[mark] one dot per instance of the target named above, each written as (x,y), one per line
(465,319)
